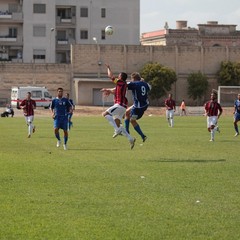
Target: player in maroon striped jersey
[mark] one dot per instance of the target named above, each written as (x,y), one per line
(115,113)
(170,109)
(28,105)
(213,111)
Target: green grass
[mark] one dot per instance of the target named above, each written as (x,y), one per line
(100,189)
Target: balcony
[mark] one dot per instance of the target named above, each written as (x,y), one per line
(64,44)
(5,14)
(10,53)
(11,41)
(4,57)
(62,41)
(11,17)
(61,21)
(8,39)
(66,20)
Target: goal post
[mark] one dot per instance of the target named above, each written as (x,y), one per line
(227,95)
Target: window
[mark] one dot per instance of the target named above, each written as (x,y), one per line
(103,35)
(36,94)
(12,32)
(39,31)
(13,7)
(61,35)
(83,34)
(39,8)
(39,54)
(84,12)
(65,13)
(47,95)
(103,12)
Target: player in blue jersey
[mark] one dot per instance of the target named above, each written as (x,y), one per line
(140,91)
(236,115)
(60,107)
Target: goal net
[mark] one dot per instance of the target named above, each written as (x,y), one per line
(227,95)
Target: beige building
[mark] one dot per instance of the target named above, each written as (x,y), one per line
(211,34)
(42,31)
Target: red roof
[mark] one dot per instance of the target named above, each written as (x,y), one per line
(154,33)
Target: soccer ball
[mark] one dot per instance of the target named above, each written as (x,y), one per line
(109,30)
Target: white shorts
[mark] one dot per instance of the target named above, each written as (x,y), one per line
(212,121)
(169,113)
(117,111)
(29,119)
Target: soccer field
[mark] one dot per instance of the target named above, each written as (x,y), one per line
(177,185)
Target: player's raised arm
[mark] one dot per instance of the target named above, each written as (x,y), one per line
(108,91)
(109,72)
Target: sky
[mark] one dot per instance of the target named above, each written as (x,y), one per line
(154,13)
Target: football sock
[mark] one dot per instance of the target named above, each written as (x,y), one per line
(212,134)
(57,136)
(169,123)
(127,121)
(65,139)
(236,129)
(139,131)
(111,121)
(29,129)
(126,134)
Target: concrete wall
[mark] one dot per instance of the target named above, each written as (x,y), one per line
(50,75)
(88,72)
(184,60)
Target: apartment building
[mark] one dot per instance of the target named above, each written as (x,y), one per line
(42,31)
(211,34)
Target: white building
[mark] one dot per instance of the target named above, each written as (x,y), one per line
(42,31)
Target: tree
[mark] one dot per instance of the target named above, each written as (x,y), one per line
(159,77)
(197,86)
(229,74)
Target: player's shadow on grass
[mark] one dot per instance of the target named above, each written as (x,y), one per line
(229,141)
(44,136)
(188,160)
(93,149)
